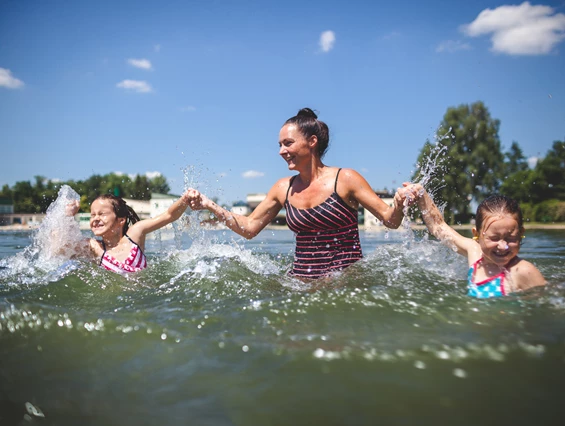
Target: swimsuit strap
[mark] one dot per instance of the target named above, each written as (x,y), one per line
(289,185)
(336,176)
(102,257)
(132,241)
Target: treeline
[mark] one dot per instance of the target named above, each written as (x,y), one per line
(466,164)
(35,197)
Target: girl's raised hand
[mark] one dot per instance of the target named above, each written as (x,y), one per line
(72,208)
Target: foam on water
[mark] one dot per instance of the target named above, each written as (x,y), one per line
(52,244)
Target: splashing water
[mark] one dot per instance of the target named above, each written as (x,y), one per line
(54,242)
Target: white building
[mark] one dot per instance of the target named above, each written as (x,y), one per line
(241,208)
(371,222)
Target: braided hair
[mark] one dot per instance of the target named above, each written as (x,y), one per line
(121,209)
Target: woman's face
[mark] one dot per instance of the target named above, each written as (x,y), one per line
(294,148)
(103,220)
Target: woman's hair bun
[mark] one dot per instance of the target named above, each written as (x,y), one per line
(306,112)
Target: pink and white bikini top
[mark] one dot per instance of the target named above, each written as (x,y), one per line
(136,261)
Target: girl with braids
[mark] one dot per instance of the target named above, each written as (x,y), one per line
(321,202)
(494,266)
(121,233)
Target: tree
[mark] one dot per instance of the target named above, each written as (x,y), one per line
(159,185)
(551,170)
(36,197)
(515,160)
(545,182)
(466,163)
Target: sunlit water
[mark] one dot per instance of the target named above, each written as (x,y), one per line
(215,333)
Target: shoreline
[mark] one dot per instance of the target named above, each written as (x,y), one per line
(414,226)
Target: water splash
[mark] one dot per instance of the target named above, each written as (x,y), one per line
(53,243)
(59,234)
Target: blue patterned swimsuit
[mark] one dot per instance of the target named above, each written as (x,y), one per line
(491,287)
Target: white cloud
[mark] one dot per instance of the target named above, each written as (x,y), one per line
(532,161)
(144,64)
(119,173)
(8,80)
(188,108)
(519,30)
(152,175)
(135,85)
(252,174)
(451,46)
(327,41)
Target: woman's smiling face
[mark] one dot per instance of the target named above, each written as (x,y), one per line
(294,147)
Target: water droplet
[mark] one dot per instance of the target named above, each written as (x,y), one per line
(420,365)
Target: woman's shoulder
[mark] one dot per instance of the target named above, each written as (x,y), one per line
(346,174)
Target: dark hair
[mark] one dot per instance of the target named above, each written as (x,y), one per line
(309,125)
(121,209)
(498,204)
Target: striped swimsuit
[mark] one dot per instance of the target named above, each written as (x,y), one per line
(136,261)
(327,236)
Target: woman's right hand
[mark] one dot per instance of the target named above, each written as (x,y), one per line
(196,200)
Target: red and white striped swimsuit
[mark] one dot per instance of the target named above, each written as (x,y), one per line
(327,236)
(136,261)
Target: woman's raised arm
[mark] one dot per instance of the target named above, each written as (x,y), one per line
(246,226)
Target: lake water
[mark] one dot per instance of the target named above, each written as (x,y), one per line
(215,333)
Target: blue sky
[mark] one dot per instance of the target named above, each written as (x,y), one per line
(198,90)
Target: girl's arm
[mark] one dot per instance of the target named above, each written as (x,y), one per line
(139,229)
(438,228)
(246,226)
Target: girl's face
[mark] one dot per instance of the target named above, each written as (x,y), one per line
(295,149)
(103,220)
(499,238)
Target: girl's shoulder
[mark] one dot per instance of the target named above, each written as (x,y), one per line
(525,274)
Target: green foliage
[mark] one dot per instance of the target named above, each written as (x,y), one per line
(545,182)
(469,163)
(548,211)
(36,197)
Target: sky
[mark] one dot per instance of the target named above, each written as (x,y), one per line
(198,90)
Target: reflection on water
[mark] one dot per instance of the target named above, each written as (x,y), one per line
(215,333)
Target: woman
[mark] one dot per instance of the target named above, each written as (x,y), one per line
(321,202)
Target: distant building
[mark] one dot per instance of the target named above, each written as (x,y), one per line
(241,208)
(141,207)
(6,205)
(6,208)
(370,221)
(159,203)
(253,201)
